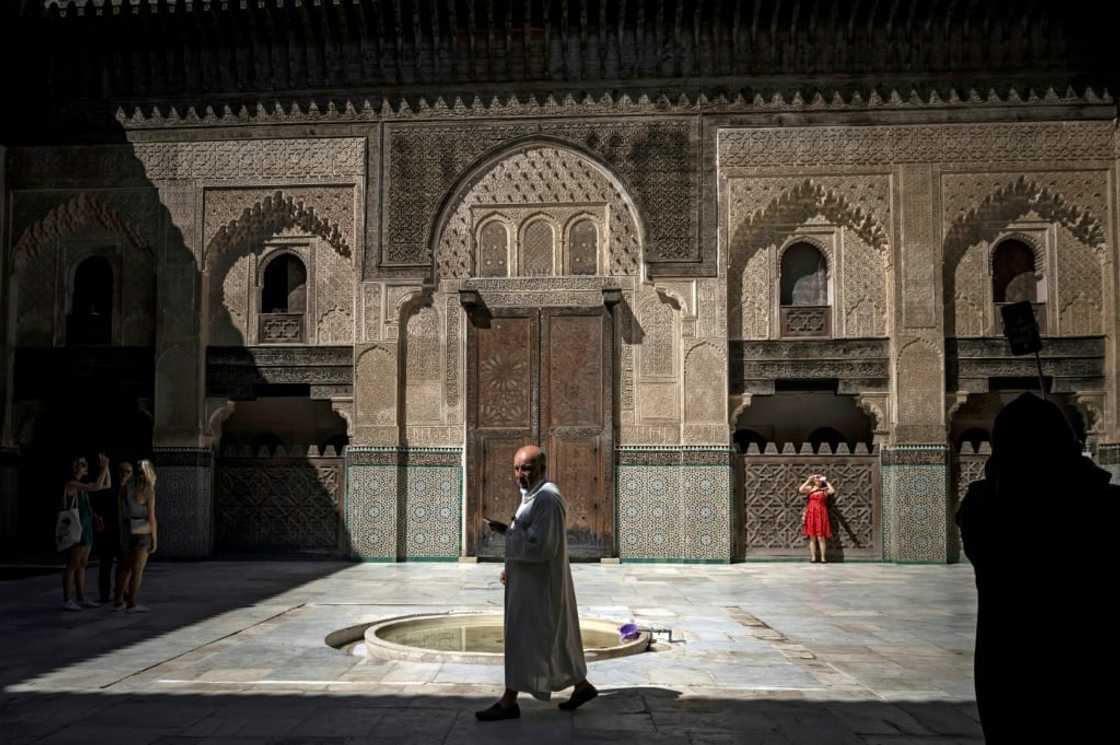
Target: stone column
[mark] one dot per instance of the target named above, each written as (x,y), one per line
(372,459)
(915,465)
(181,452)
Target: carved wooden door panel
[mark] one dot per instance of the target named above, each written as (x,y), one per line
(543,377)
(577,422)
(503,397)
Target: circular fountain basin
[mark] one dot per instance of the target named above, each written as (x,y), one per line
(478,638)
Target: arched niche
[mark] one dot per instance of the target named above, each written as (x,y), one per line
(538,178)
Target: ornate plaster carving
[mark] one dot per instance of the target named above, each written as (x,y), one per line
(539,177)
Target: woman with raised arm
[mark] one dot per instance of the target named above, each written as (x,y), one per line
(815,522)
(76,491)
(140,516)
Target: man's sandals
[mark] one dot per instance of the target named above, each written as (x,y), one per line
(580,696)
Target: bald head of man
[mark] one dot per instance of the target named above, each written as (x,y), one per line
(529,465)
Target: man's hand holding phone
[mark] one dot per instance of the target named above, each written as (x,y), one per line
(496,526)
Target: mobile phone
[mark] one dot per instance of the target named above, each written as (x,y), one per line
(495,525)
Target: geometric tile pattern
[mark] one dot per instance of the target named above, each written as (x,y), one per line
(674,511)
(428,519)
(650,513)
(919,517)
(404,511)
(371,512)
(707,516)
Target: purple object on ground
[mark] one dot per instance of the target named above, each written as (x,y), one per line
(628,632)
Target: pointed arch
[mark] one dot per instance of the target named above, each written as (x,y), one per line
(70,217)
(988,222)
(1015,200)
(268,217)
(40,251)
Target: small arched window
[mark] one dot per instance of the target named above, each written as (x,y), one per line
(1013,273)
(285,286)
(583,248)
(804,292)
(804,276)
(283,300)
(537,248)
(91,305)
(493,250)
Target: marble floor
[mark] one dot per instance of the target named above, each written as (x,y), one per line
(235,652)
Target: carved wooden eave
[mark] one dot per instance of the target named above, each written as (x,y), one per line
(336,58)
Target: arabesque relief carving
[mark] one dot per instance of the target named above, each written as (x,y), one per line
(538,177)
(977,210)
(767,214)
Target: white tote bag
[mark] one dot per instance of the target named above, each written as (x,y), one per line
(68,526)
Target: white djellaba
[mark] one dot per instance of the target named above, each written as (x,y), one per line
(543,648)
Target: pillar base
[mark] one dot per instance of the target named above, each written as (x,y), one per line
(185,502)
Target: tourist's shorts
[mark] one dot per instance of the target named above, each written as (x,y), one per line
(140,541)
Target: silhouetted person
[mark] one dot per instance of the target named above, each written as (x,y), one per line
(1034,626)
(108,531)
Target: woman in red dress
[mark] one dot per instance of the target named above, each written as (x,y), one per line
(815,517)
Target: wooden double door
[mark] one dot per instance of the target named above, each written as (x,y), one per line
(542,376)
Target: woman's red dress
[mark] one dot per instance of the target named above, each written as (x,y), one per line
(816,515)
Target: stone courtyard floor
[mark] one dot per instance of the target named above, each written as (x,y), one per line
(235,652)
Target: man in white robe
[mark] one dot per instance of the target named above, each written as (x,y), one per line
(543,648)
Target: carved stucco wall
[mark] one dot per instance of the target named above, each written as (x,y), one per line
(1062,214)
(242,227)
(655,160)
(847,217)
(911,200)
(674,364)
(541,182)
(56,230)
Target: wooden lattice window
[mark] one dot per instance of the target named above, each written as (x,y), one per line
(538,244)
